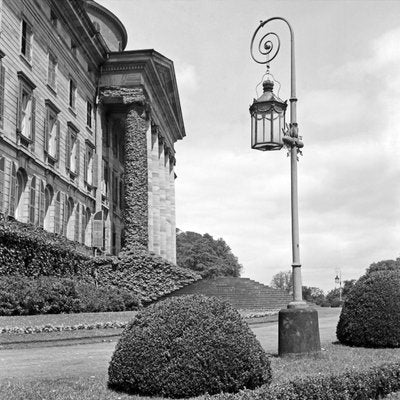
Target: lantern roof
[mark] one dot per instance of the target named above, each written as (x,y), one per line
(268,95)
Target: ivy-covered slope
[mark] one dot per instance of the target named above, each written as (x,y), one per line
(148,276)
(31,251)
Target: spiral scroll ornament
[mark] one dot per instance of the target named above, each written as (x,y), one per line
(268,46)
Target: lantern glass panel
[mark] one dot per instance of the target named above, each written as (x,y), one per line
(260,129)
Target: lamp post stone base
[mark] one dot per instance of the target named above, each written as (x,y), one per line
(298,331)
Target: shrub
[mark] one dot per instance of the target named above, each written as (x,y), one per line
(373,383)
(187,346)
(20,295)
(370,316)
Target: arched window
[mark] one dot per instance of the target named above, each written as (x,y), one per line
(113,239)
(41,204)
(86,227)
(76,231)
(20,184)
(68,219)
(57,213)
(48,199)
(32,201)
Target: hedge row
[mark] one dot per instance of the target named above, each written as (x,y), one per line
(29,250)
(373,383)
(20,295)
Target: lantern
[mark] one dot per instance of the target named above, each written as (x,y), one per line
(267,120)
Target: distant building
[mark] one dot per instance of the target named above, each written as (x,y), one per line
(87,129)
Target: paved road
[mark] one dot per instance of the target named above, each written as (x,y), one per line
(92,359)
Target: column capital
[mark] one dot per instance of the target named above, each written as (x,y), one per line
(117,95)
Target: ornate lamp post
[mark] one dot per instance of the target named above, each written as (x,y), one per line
(338,281)
(298,324)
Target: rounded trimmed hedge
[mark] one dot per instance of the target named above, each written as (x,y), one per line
(187,346)
(370,316)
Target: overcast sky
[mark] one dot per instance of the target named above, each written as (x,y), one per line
(348,89)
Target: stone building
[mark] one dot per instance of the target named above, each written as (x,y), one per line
(87,129)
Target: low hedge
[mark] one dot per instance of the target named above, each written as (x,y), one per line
(20,295)
(373,383)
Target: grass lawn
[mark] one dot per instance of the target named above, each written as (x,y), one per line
(335,359)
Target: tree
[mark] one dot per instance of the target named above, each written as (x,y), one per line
(313,295)
(283,280)
(205,255)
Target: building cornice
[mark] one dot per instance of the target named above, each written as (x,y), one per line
(142,68)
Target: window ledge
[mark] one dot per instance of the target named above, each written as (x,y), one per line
(26,60)
(24,138)
(72,111)
(52,89)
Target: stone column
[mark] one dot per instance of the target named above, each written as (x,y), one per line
(168,254)
(135,214)
(163,210)
(150,187)
(155,177)
(172,205)
(136,184)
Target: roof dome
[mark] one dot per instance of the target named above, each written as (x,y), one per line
(110,27)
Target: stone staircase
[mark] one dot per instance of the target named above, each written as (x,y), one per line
(242,293)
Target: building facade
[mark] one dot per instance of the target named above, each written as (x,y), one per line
(87,129)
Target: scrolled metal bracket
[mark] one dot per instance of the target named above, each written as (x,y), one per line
(291,137)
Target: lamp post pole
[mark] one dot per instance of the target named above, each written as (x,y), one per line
(298,324)
(291,140)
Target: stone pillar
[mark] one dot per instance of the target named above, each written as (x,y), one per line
(155,177)
(135,213)
(136,183)
(150,188)
(163,210)
(172,208)
(167,207)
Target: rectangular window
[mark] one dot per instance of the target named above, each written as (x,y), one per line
(73,48)
(105,182)
(72,94)
(52,135)
(2,88)
(26,110)
(53,19)
(89,165)
(72,152)
(89,113)
(26,40)
(115,188)
(51,71)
